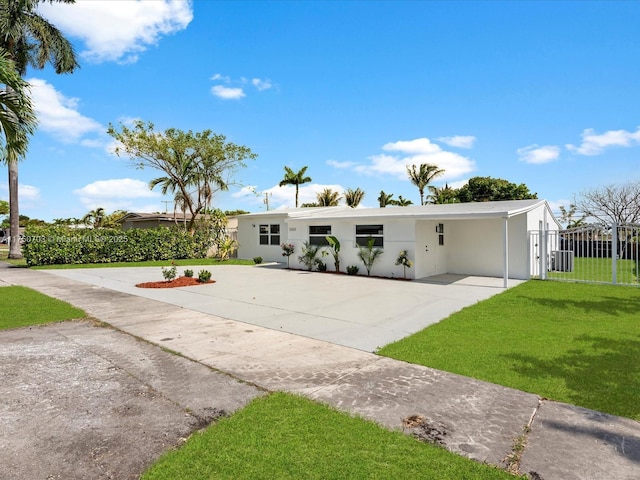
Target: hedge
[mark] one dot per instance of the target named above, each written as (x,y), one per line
(58,245)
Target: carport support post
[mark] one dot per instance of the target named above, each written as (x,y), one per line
(505,273)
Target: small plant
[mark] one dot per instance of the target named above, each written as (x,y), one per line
(353,270)
(226,247)
(188,273)
(334,245)
(287,250)
(403,259)
(170,272)
(320,265)
(204,276)
(308,256)
(369,254)
(257,260)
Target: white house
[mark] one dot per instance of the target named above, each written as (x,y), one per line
(484,238)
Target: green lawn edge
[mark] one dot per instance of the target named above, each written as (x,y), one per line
(24,307)
(285,436)
(570,342)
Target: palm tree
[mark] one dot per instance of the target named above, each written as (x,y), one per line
(353,197)
(295,178)
(423,176)
(385,199)
(401,202)
(440,195)
(95,218)
(328,198)
(30,40)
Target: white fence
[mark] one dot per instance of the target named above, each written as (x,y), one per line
(591,253)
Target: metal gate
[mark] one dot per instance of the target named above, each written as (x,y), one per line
(593,254)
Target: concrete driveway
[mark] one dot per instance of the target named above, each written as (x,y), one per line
(353,311)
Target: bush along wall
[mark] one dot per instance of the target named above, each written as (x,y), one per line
(58,245)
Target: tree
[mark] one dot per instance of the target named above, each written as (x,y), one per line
(618,204)
(195,165)
(353,197)
(441,195)
(568,216)
(385,199)
(94,218)
(4,207)
(487,189)
(295,178)
(30,40)
(422,176)
(328,198)
(401,202)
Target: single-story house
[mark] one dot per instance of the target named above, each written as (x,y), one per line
(154,220)
(483,238)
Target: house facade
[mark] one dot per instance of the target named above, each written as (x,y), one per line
(485,238)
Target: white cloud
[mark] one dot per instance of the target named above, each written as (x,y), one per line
(227,93)
(537,155)
(337,164)
(119,31)
(416,152)
(458,141)
(261,84)
(247,191)
(59,115)
(119,194)
(595,144)
(25,192)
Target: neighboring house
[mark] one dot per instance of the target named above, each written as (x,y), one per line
(154,220)
(483,238)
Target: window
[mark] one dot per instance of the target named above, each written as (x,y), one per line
(318,234)
(270,234)
(364,232)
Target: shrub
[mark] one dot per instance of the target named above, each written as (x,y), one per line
(257,260)
(204,275)
(308,256)
(353,270)
(188,273)
(169,273)
(287,250)
(403,259)
(320,265)
(59,245)
(369,254)
(334,245)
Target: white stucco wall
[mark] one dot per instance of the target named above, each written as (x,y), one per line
(249,241)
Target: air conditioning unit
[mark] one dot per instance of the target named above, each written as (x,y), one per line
(562,261)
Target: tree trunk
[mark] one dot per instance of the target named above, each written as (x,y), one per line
(14,212)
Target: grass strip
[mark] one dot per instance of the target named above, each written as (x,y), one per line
(570,342)
(22,307)
(288,437)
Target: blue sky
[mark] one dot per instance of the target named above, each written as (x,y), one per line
(542,93)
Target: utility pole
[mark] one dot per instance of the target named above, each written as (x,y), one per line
(266,199)
(166,202)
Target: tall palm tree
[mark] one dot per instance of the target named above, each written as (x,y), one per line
(30,40)
(17,119)
(295,178)
(385,199)
(401,202)
(353,197)
(95,218)
(328,198)
(440,195)
(422,176)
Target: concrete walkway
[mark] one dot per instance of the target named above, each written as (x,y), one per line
(482,421)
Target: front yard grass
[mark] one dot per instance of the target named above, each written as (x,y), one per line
(570,342)
(21,307)
(288,437)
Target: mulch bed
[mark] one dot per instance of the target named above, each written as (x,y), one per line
(177,282)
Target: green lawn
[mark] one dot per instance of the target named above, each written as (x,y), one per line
(282,436)
(21,307)
(599,270)
(571,342)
